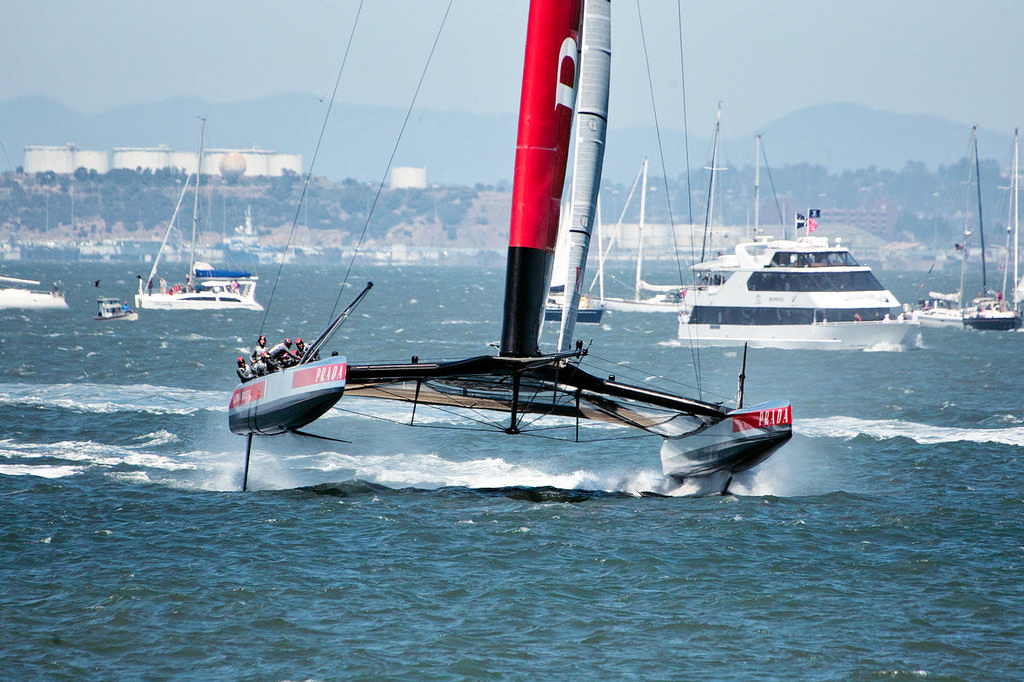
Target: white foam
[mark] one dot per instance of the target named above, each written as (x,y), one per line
(41,471)
(110,399)
(925,434)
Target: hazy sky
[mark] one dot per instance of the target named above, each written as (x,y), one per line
(956,59)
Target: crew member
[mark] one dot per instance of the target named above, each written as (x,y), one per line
(282,355)
(261,346)
(245,372)
(259,365)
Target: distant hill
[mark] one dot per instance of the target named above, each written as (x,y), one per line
(466,149)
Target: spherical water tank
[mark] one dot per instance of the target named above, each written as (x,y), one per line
(232,166)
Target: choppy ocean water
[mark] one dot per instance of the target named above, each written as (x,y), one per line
(885,541)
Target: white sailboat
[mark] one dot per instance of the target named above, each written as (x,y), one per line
(647,297)
(205,287)
(589,310)
(14,293)
(988,311)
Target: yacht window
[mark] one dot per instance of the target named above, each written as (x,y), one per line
(815,259)
(862,280)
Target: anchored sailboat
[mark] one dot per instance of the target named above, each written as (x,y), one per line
(988,311)
(699,438)
(205,287)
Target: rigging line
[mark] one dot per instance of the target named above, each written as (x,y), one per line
(641,376)
(694,347)
(660,151)
(312,163)
(661,148)
(686,134)
(6,158)
(664,173)
(775,195)
(394,151)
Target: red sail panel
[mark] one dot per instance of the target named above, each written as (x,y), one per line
(545,122)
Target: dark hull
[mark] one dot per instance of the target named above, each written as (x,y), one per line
(992,324)
(287,400)
(583,315)
(286,414)
(736,456)
(741,441)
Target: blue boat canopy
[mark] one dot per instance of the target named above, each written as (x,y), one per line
(224,274)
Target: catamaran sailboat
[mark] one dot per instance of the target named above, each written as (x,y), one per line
(803,293)
(205,287)
(699,438)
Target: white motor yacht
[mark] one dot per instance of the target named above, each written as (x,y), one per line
(802,293)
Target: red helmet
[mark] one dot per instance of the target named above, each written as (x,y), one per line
(298,342)
(241,362)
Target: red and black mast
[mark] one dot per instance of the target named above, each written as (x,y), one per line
(542,150)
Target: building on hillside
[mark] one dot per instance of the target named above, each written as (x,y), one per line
(878,218)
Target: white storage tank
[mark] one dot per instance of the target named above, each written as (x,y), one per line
(44,158)
(279,163)
(408,177)
(64,159)
(152,158)
(91,160)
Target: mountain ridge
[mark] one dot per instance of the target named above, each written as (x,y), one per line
(467,149)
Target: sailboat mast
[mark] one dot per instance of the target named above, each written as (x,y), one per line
(757,183)
(1009,227)
(542,150)
(981,224)
(195,206)
(640,233)
(591,124)
(967,216)
(170,226)
(711,186)
(1014,203)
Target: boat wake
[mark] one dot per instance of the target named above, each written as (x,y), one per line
(205,456)
(924,434)
(161,458)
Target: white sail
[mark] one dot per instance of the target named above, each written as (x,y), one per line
(591,125)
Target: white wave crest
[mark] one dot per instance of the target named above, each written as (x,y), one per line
(925,434)
(110,399)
